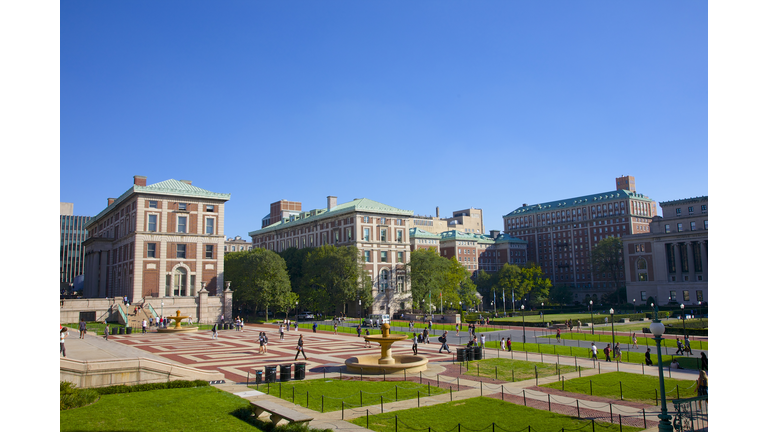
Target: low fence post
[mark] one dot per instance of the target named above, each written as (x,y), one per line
(578,412)
(610,407)
(621,391)
(645,426)
(381,402)
(524,402)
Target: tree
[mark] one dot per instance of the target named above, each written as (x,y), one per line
(509,281)
(259,277)
(485,284)
(533,278)
(426,273)
(561,294)
(333,275)
(607,257)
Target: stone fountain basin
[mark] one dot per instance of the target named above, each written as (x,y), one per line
(370,364)
(176,330)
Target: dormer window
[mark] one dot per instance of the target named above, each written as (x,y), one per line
(182,206)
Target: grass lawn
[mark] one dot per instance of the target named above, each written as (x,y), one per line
(514,370)
(478,414)
(327,395)
(634,387)
(641,340)
(188,409)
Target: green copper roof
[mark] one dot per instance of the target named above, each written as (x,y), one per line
(361,205)
(579,201)
(420,233)
(169,187)
(480,238)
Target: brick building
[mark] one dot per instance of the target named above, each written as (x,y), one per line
(161,240)
(670,262)
(237,244)
(379,231)
(562,233)
(468,220)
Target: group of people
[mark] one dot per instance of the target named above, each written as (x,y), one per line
(683,348)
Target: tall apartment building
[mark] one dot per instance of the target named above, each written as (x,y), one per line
(161,240)
(562,233)
(378,230)
(468,221)
(670,262)
(71,253)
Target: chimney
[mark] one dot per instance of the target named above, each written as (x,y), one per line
(437,212)
(140,180)
(189,182)
(110,201)
(331,202)
(494,234)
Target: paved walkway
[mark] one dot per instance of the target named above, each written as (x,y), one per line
(236,355)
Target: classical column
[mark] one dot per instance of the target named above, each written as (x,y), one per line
(704,263)
(691,264)
(678,261)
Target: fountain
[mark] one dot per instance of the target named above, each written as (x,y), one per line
(177,328)
(386,363)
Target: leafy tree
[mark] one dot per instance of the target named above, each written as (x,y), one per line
(426,273)
(485,282)
(333,276)
(561,294)
(510,280)
(538,285)
(607,257)
(259,277)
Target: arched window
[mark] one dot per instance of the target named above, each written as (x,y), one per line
(383,279)
(641,264)
(180,282)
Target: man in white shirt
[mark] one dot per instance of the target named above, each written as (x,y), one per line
(482,340)
(594,351)
(144,326)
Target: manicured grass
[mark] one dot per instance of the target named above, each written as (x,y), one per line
(479,414)
(641,340)
(633,387)
(189,409)
(570,351)
(327,395)
(506,369)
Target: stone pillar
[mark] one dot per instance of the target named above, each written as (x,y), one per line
(678,261)
(691,266)
(226,303)
(704,263)
(202,303)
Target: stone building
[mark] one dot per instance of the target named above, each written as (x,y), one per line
(670,262)
(561,234)
(379,231)
(237,244)
(468,221)
(162,240)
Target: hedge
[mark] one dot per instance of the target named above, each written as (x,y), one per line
(151,386)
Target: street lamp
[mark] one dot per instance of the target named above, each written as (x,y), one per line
(591,317)
(634,306)
(542,311)
(657,328)
(699,311)
(682,312)
(613,338)
(522,311)
(162,316)
(297,314)
(494,308)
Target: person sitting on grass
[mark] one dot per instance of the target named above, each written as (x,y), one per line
(675,365)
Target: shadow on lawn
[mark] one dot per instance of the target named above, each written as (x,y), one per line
(245,414)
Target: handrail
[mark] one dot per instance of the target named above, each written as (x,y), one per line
(122,313)
(151,309)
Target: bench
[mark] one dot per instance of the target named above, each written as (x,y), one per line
(646,330)
(278,412)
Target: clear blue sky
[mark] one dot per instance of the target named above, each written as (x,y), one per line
(453,104)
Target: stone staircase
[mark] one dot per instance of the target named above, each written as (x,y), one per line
(134,319)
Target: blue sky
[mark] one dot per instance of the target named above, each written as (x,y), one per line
(453,104)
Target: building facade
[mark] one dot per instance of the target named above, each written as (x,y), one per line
(670,263)
(468,221)
(473,251)
(71,252)
(561,234)
(162,240)
(237,244)
(379,231)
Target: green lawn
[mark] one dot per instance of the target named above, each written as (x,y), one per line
(188,409)
(479,414)
(641,340)
(634,387)
(506,369)
(327,395)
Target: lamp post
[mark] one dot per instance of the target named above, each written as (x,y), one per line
(634,306)
(522,311)
(699,311)
(657,328)
(162,316)
(542,311)
(494,307)
(682,312)
(297,314)
(591,317)
(613,337)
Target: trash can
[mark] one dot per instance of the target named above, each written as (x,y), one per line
(285,372)
(478,352)
(122,330)
(299,370)
(128,330)
(270,374)
(461,354)
(258,376)
(113,330)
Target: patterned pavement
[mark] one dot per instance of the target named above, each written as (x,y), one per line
(236,354)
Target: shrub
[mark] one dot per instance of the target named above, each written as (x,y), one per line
(72,397)
(151,386)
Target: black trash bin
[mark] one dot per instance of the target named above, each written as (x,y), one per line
(128,330)
(299,370)
(113,330)
(270,374)
(478,352)
(461,354)
(469,355)
(258,376)
(285,372)
(122,330)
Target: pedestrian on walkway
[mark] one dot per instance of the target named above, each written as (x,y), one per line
(617,352)
(261,342)
(106,331)
(214,333)
(415,346)
(266,342)
(579,327)
(593,348)
(679,347)
(634,340)
(648,361)
(426,336)
(359,330)
(444,341)
(482,340)
(143,326)
(704,361)
(457,329)
(607,351)
(314,327)
(82,329)
(63,334)
(558,335)
(687,345)
(282,332)
(300,348)
(503,344)
(296,326)
(367,342)
(509,344)
(335,327)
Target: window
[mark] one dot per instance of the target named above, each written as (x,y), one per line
(151,250)
(367,256)
(383,234)
(673,295)
(209,208)
(152,223)
(643,296)
(703,208)
(182,206)
(383,220)
(209,225)
(383,280)
(399,257)
(384,256)
(679,227)
(365,219)
(678,212)
(642,264)
(181,251)
(399,236)
(182,224)
(349,234)
(699,295)
(705,225)
(642,277)
(686,297)
(690,210)
(153,204)
(666,229)
(209,251)
(367,234)
(693,226)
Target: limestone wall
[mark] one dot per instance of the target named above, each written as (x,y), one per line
(103,373)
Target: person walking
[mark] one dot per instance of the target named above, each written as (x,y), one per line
(106,331)
(444,341)
(359,330)
(702,385)
(503,344)
(143,326)
(282,332)
(63,334)
(367,342)
(687,348)
(679,347)
(704,361)
(634,340)
(648,361)
(607,351)
(214,333)
(593,348)
(314,327)
(426,336)
(482,340)
(266,342)
(335,327)
(509,344)
(558,335)
(617,352)
(82,329)
(300,348)
(457,329)
(415,346)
